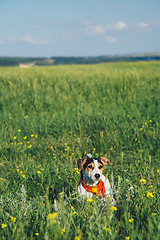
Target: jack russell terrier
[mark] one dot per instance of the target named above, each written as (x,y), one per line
(92,179)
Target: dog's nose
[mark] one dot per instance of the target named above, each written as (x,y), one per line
(97,175)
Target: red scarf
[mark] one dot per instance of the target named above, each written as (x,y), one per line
(95,189)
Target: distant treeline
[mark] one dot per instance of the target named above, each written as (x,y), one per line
(15,61)
(101,59)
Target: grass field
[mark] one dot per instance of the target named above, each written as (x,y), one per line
(52,116)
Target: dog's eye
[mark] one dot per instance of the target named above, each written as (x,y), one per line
(100,167)
(90,166)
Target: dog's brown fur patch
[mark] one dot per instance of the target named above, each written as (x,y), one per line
(100,166)
(81,162)
(89,167)
(105,160)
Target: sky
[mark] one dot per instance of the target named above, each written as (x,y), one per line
(46,28)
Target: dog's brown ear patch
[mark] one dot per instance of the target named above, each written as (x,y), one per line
(105,160)
(81,162)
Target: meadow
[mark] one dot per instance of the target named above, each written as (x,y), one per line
(52,116)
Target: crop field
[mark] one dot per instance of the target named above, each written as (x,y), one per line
(52,116)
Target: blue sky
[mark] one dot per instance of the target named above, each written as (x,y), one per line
(46,28)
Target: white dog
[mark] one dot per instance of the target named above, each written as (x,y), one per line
(92,179)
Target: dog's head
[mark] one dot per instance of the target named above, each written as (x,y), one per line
(92,168)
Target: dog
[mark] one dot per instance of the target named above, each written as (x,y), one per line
(93,182)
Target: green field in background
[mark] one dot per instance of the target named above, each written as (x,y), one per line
(52,116)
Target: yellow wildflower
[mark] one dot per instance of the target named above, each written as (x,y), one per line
(3,225)
(77,237)
(36,136)
(14,137)
(23,176)
(113,208)
(94,190)
(37,234)
(150,194)
(17,170)
(75,213)
(158,170)
(20,105)
(107,229)
(127,238)
(62,230)
(29,146)
(131,220)
(13,219)
(32,135)
(19,130)
(2,179)
(25,137)
(90,200)
(142,180)
(52,216)
(39,172)
(154,214)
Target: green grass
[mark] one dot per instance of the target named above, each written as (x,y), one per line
(52,116)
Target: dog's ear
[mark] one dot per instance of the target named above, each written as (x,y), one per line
(81,162)
(105,160)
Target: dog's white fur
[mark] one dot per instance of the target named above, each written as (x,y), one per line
(90,179)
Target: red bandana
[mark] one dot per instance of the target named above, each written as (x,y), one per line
(95,189)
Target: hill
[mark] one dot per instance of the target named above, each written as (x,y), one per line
(27,62)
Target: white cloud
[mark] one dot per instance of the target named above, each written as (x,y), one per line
(120,26)
(110,39)
(2,42)
(34,40)
(94,29)
(103,29)
(98,29)
(142,25)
